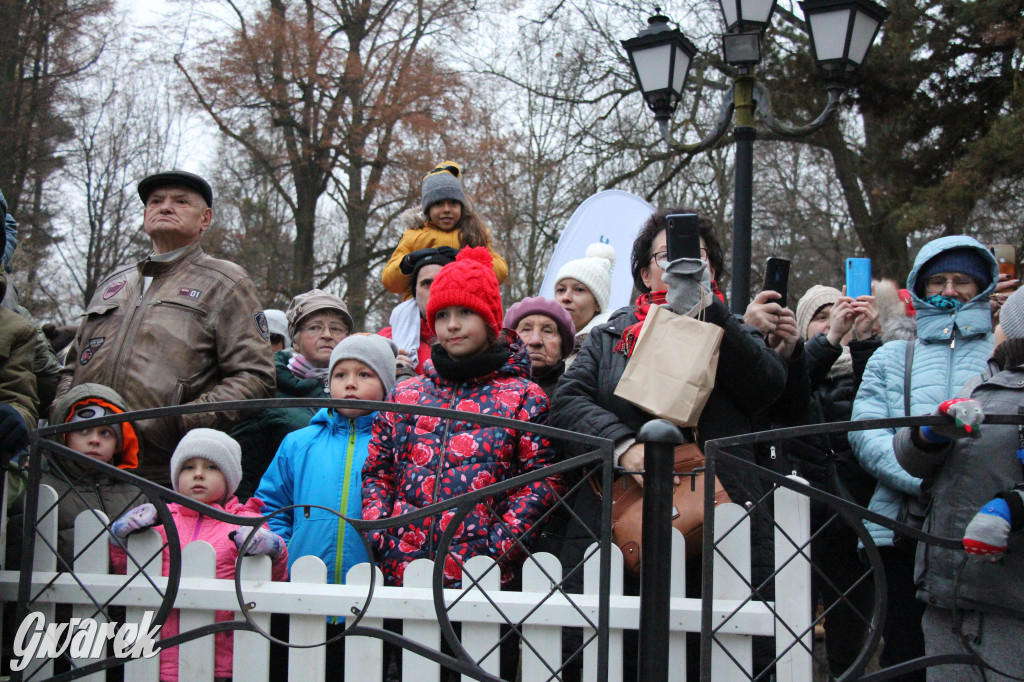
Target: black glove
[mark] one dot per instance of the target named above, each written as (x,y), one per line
(13,432)
(412,260)
(408,263)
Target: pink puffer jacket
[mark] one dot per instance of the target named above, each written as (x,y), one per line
(193,526)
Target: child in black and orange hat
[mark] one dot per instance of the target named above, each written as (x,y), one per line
(79,486)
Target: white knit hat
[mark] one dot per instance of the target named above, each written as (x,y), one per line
(594,271)
(215,446)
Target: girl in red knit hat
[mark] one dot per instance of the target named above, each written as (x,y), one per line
(415,460)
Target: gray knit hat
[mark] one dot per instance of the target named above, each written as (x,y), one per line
(376,352)
(1011,316)
(215,446)
(444,182)
(313,301)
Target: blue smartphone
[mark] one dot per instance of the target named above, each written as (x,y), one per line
(858,277)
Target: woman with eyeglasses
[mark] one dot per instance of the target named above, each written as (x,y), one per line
(750,377)
(950,285)
(317,322)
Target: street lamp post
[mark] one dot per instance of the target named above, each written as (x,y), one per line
(841,32)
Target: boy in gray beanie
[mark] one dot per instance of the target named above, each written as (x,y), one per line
(322,463)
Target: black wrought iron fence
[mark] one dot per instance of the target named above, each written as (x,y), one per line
(48,454)
(863,594)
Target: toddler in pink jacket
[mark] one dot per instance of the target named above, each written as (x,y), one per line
(206,467)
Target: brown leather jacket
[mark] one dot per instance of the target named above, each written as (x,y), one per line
(198,335)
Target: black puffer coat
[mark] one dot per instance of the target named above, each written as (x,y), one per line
(750,377)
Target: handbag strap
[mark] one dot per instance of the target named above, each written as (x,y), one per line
(908,365)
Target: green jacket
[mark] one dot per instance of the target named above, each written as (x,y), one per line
(17,353)
(261,434)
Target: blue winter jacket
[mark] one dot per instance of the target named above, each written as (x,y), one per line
(950,349)
(322,465)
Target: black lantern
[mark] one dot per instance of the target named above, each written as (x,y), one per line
(842,32)
(660,57)
(747,15)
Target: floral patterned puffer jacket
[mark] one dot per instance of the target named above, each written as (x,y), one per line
(417,460)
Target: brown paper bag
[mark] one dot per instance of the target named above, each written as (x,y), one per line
(673,366)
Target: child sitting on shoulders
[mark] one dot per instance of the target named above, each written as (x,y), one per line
(447,219)
(415,460)
(205,467)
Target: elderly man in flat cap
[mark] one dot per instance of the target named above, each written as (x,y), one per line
(181,327)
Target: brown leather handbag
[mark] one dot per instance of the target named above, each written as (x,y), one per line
(687,499)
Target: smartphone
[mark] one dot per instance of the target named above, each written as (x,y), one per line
(683,236)
(858,277)
(1006,256)
(776,278)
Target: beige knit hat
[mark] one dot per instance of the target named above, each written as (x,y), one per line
(811,302)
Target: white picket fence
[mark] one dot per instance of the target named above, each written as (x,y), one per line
(309,600)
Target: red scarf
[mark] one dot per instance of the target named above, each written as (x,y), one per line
(643,305)
(716,291)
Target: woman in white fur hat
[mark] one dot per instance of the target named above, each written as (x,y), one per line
(583,287)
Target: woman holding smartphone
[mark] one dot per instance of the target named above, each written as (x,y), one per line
(750,377)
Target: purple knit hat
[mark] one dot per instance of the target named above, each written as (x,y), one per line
(538,305)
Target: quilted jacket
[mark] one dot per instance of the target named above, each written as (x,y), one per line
(193,526)
(322,465)
(965,475)
(416,460)
(951,348)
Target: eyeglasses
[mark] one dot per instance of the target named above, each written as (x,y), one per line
(939,282)
(318,329)
(661,257)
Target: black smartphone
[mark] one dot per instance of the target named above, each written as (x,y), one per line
(776,278)
(683,236)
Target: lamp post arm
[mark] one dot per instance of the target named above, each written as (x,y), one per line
(713,136)
(763,98)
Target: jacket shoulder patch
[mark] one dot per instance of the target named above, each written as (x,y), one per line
(260,319)
(112,290)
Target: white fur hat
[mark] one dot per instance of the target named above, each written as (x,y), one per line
(594,271)
(215,446)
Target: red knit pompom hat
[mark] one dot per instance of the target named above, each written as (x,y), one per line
(469,282)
